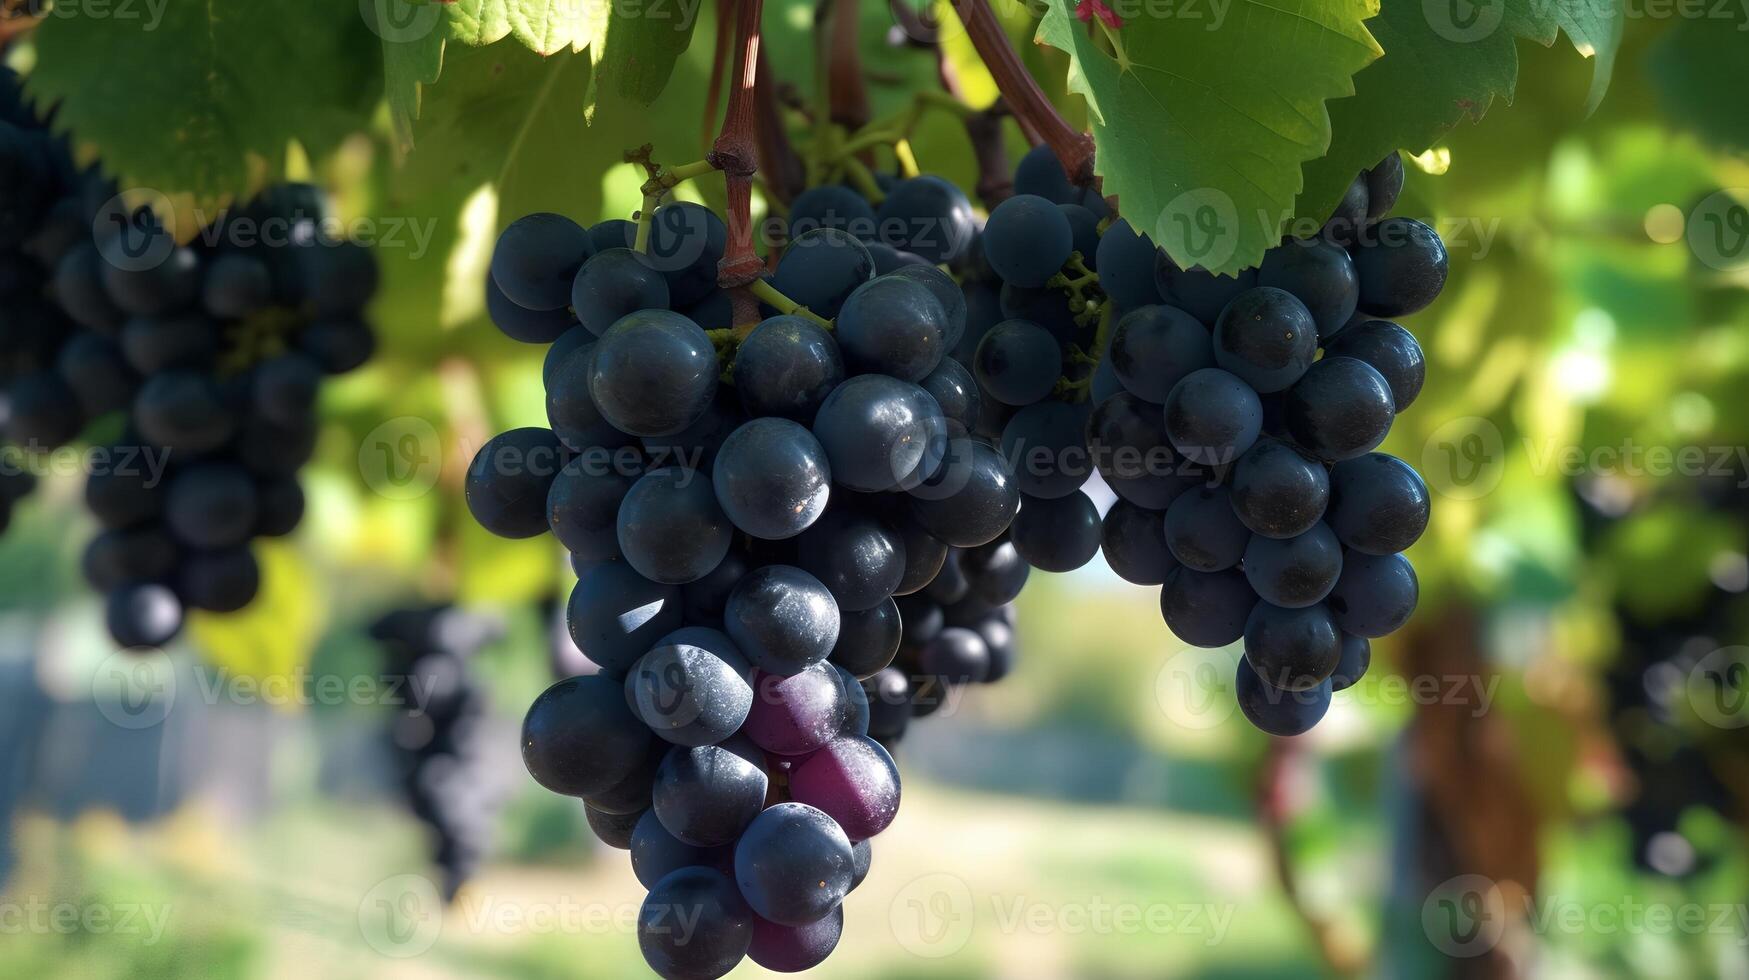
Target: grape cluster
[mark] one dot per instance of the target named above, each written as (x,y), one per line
(746,512)
(195,366)
(439,736)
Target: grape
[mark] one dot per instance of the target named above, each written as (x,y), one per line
(1278,491)
(612,829)
(859,558)
(121,556)
(612,233)
(867,640)
(1018,362)
(792,949)
(1040,173)
(1392,352)
(218,581)
(1356,656)
(78,290)
(537,258)
(1341,409)
(1049,308)
(656,853)
(1267,338)
(43,412)
(1125,260)
(1292,649)
(614,284)
(929,217)
(631,795)
(889,703)
(694,925)
(797,714)
(822,268)
(670,527)
(686,242)
(983,304)
(950,585)
(128,492)
(924,555)
(994,573)
(1045,445)
(1383,183)
(1379,504)
(1277,712)
(888,260)
(1134,541)
(583,508)
(1127,439)
(615,615)
(831,206)
(971,503)
(1294,572)
(1318,274)
(783,619)
(786,367)
(1196,291)
(1375,595)
(1155,347)
(1203,532)
(170,284)
(955,392)
(183,411)
(772,478)
(1213,417)
(715,310)
(693,688)
(580,737)
(892,326)
(1058,534)
(339,345)
(697,445)
(653,374)
(97,374)
(156,344)
(1027,240)
(571,409)
(879,432)
(793,864)
(285,388)
(707,795)
(1402,266)
(142,615)
(270,450)
(508,481)
(1084,231)
(1206,609)
(853,780)
(1348,221)
(956,656)
(946,292)
(339,278)
(211,505)
(998,634)
(238,285)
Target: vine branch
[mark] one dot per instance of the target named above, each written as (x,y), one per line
(734,154)
(1074,149)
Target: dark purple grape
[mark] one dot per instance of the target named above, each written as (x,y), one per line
(694,925)
(1058,534)
(1134,542)
(1267,338)
(1278,712)
(580,737)
(1341,409)
(1206,609)
(1278,491)
(693,688)
(1392,352)
(793,864)
(1379,504)
(854,781)
(707,795)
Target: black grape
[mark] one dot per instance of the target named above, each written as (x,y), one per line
(42,411)
(892,326)
(889,703)
(858,557)
(1278,712)
(1125,261)
(792,949)
(929,217)
(1356,656)
(1317,273)
(1349,219)
(924,555)
(129,491)
(831,206)
(1402,266)
(78,290)
(615,615)
(656,853)
(1202,531)
(1392,352)
(1379,504)
(974,501)
(237,285)
(580,736)
(339,345)
(955,392)
(867,640)
(786,367)
(1292,649)
(879,432)
(1049,308)
(98,375)
(571,409)
(653,373)
(612,829)
(211,505)
(183,411)
(1039,172)
(772,478)
(1341,409)
(613,233)
(1384,181)
(793,864)
(946,292)
(1046,449)
(955,656)
(1084,232)
(583,507)
(693,688)
(686,242)
(1195,291)
(1027,240)
(169,284)
(694,925)
(1294,572)
(281,507)
(1058,534)
(142,615)
(1127,438)
(121,556)
(286,387)
(794,715)
(782,618)
(995,573)
(339,278)
(1155,347)
(1375,595)
(822,268)
(854,781)
(613,284)
(671,528)
(1278,491)
(1267,338)
(1134,542)
(508,480)
(1213,417)
(537,258)
(888,259)
(1018,362)
(218,581)
(707,795)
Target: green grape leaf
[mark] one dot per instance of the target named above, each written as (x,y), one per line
(1202,134)
(634,49)
(1699,73)
(1445,62)
(194,101)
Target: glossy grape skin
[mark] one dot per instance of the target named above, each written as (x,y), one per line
(1125,260)
(653,374)
(857,556)
(1018,362)
(793,864)
(1206,609)
(1392,352)
(946,292)
(687,241)
(950,585)
(1195,291)
(783,619)
(656,853)
(1154,347)
(772,478)
(797,714)
(631,796)
(792,949)
(1320,275)
(1083,232)
(889,703)
(973,505)
(1127,438)
(856,703)
(1292,649)
(706,795)
(142,615)
(786,367)
(523,325)
(697,445)
(1134,542)
(1402,266)
(1277,712)
(1379,504)
(153,344)
(1356,657)
(694,925)
(1384,181)
(994,573)
(822,268)
(1046,449)
(894,327)
(956,393)
(888,259)
(613,284)
(867,640)
(924,555)
(583,508)
(854,781)
(183,411)
(508,481)
(1027,240)
(571,410)
(956,655)
(1278,491)
(1039,172)
(929,217)
(983,310)
(1059,534)
(615,615)
(1213,417)
(831,206)
(1349,219)
(1341,409)
(219,580)
(1202,531)
(1267,338)
(671,528)
(1376,594)
(612,829)
(536,259)
(580,737)
(879,432)
(1294,572)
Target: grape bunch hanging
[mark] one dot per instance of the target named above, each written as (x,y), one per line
(197,365)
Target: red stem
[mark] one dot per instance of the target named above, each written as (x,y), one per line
(734,154)
(719,61)
(785,176)
(1035,112)
(847,95)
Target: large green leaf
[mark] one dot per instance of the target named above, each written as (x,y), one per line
(1700,71)
(193,101)
(1202,135)
(1445,61)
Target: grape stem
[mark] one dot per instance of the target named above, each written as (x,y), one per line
(734,154)
(660,181)
(769,295)
(863,179)
(1074,149)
